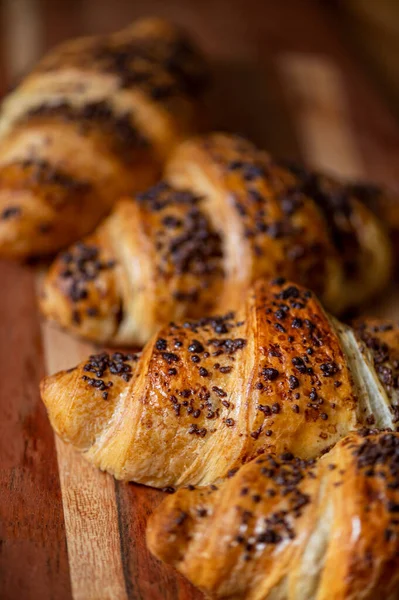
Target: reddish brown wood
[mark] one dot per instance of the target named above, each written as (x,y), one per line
(146,578)
(33,556)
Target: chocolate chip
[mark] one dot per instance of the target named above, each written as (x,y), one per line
(270,374)
(161,344)
(196,347)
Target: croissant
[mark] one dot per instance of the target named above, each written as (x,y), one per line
(384,204)
(93,121)
(292,529)
(206,396)
(192,245)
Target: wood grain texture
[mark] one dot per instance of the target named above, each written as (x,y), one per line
(33,556)
(88,496)
(283,77)
(146,577)
(92,527)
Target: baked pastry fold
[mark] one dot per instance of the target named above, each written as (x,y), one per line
(94,120)
(192,245)
(207,396)
(287,528)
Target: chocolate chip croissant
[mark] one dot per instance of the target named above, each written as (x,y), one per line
(292,529)
(192,245)
(94,120)
(206,396)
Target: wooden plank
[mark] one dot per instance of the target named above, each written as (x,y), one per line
(88,496)
(146,578)
(91,522)
(33,556)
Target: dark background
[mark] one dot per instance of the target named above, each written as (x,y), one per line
(242,36)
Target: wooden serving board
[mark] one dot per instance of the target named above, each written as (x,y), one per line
(283,77)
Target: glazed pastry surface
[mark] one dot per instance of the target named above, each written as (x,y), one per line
(191,246)
(94,120)
(291,529)
(207,396)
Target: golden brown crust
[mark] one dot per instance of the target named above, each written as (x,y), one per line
(289,221)
(81,289)
(44,203)
(209,395)
(350,210)
(273,228)
(290,529)
(106,381)
(381,339)
(107,110)
(151,54)
(384,204)
(301,385)
(167,261)
(270,220)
